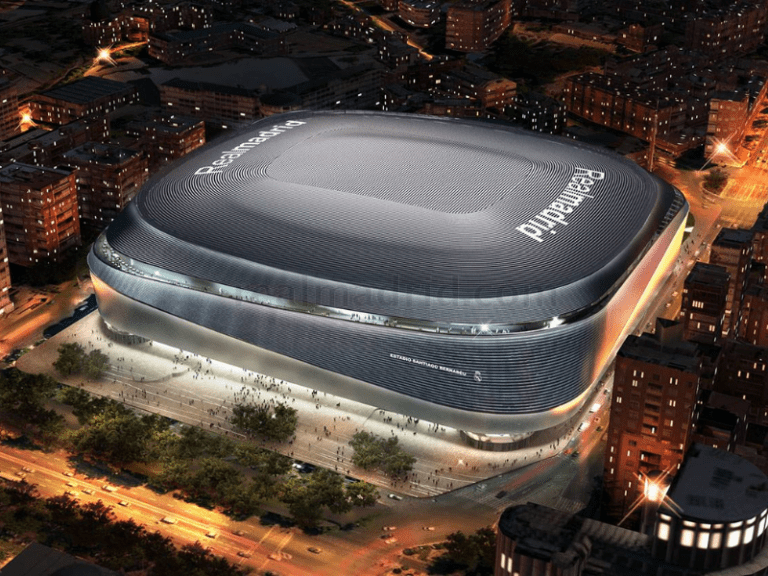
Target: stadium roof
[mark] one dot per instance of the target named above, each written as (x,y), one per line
(407,216)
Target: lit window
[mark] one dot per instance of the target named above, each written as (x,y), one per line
(686,537)
(733,538)
(662,532)
(703,540)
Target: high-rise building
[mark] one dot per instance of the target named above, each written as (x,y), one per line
(474,26)
(653,412)
(6,305)
(754,314)
(108,178)
(732,249)
(742,373)
(40,213)
(166,138)
(705,297)
(9,107)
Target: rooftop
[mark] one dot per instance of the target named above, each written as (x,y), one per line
(717,486)
(87,90)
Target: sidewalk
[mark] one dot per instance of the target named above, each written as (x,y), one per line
(199,391)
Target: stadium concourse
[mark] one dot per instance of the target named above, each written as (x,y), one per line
(198,391)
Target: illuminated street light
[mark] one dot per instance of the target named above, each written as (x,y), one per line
(25,119)
(105,55)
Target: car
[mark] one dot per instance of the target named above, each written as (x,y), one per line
(390,540)
(238,533)
(575,454)
(389,528)
(211,534)
(430,528)
(71,484)
(394,497)
(315,549)
(20,474)
(87,491)
(501,494)
(70,493)
(109,488)
(599,428)
(70,474)
(243,554)
(27,469)
(168,520)
(124,503)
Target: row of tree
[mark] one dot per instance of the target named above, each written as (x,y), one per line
(209,468)
(90,531)
(270,422)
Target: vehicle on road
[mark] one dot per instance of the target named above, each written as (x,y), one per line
(243,554)
(389,528)
(390,539)
(501,493)
(168,520)
(124,503)
(20,474)
(430,528)
(71,484)
(394,497)
(27,469)
(87,491)
(70,474)
(575,454)
(315,549)
(70,493)
(109,488)
(211,534)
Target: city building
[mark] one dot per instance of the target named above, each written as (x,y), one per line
(736,29)
(474,26)
(710,521)
(639,37)
(653,412)
(108,177)
(47,148)
(409,281)
(704,303)
(538,112)
(10,120)
(656,117)
(741,373)
(760,237)
(213,103)
(165,138)
(753,327)
(174,47)
(6,305)
(722,421)
(91,96)
(419,13)
(40,213)
(732,249)
(491,92)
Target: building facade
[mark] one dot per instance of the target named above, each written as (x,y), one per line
(653,414)
(40,213)
(91,96)
(704,303)
(732,249)
(108,177)
(474,26)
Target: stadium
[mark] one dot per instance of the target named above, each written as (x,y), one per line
(460,272)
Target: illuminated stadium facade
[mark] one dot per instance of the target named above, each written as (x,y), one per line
(459,272)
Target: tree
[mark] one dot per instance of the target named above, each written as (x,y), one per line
(278,423)
(25,395)
(73,360)
(70,359)
(374,452)
(715,181)
(95,364)
(475,551)
(362,494)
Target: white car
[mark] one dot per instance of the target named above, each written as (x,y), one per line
(394,497)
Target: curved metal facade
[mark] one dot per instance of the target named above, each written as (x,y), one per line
(333,317)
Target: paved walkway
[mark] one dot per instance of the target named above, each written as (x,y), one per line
(199,391)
